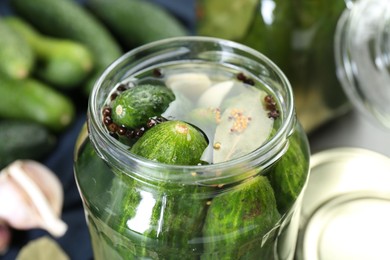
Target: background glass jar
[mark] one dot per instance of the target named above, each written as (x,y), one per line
(362,50)
(244,207)
(297,35)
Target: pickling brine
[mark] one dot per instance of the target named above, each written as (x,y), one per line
(236,112)
(193,151)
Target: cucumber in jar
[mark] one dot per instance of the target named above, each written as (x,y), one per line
(289,174)
(134,106)
(146,209)
(238,220)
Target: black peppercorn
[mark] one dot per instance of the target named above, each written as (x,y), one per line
(113,96)
(130,134)
(107,111)
(249,81)
(107,120)
(122,130)
(113,128)
(270,105)
(139,132)
(273,114)
(157,73)
(121,88)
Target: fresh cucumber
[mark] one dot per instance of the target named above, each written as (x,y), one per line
(16,56)
(16,142)
(321,65)
(68,19)
(60,62)
(272,37)
(229,21)
(136,22)
(32,100)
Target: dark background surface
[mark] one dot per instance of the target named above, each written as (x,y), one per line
(349,130)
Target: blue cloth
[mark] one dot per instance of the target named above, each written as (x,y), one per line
(76,242)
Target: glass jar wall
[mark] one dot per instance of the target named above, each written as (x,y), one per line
(243,208)
(298,35)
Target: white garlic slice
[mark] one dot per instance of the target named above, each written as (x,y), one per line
(31,196)
(214,96)
(190,84)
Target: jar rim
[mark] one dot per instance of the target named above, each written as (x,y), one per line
(277,144)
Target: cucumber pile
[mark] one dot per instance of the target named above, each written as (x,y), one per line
(51,54)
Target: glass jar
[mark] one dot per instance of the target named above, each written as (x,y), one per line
(245,207)
(362,47)
(298,36)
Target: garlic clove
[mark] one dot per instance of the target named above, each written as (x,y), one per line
(47,181)
(31,196)
(214,96)
(189,84)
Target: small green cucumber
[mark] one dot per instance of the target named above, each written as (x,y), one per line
(136,22)
(17,142)
(29,99)
(172,142)
(237,221)
(134,106)
(61,62)
(68,19)
(16,56)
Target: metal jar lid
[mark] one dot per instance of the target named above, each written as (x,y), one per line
(346,206)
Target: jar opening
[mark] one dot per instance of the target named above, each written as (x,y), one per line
(195,49)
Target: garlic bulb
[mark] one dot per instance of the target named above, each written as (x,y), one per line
(31,196)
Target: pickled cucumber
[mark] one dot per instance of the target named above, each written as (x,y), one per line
(238,220)
(289,175)
(172,142)
(168,216)
(134,106)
